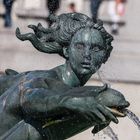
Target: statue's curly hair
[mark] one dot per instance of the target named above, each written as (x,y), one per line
(63,28)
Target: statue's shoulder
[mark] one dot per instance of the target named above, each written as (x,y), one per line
(41,74)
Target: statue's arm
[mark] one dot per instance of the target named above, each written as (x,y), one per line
(37,97)
(36,102)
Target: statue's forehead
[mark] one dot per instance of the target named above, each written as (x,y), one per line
(89,37)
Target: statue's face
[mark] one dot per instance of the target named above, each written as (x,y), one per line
(86,52)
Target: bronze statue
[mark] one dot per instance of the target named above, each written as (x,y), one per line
(54,104)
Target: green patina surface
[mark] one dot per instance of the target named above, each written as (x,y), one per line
(54,104)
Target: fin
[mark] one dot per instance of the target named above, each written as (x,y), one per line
(11,72)
(103,88)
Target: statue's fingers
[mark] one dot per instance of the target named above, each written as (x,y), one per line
(107,113)
(99,127)
(32,27)
(41,28)
(95,129)
(89,116)
(99,115)
(39,25)
(17,31)
(23,36)
(18,34)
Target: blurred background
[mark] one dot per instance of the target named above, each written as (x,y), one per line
(122,71)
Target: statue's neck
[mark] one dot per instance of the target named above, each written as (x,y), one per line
(70,78)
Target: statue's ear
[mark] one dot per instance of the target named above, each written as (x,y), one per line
(65,52)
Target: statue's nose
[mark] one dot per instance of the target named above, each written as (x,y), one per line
(88,57)
(87,54)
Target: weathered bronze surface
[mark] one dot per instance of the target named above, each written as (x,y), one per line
(54,104)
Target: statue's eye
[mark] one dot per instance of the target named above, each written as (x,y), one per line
(79,46)
(95,48)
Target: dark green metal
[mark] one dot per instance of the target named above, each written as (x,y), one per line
(54,104)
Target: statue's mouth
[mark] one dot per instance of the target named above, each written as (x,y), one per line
(86,65)
(118,111)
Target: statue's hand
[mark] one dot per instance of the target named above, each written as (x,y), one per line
(24,37)
(90,107)
(38,30)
